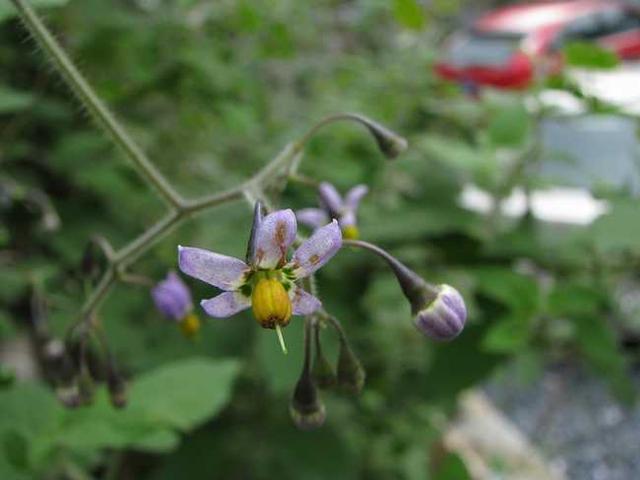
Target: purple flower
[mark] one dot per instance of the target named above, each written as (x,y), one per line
(267,281)
(172,297)
(333,206)
(444,317)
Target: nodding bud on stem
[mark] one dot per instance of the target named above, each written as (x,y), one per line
(439,310)
(116,385)
(444,317)
(390,143)
(351,375)
(323,373)
(306,409)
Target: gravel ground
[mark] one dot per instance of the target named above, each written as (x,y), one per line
(572,418)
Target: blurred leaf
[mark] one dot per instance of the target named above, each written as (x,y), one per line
(519,292)
(598,343)
(409,13)
(619,229)
(508,334)
(12,100)
(589,55)
(7,10)
(185,393)
(452,468)
(509,125)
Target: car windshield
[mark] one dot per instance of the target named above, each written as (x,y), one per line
(481,49)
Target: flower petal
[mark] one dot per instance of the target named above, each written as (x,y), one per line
(218,270)
(312,217)
(275,236)
(303,303)
(354,196)
(225,304)
(172,297)
(330,198)
(316,250)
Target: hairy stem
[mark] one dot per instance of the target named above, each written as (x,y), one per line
(93,104)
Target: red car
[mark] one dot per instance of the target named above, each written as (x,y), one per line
(509,47)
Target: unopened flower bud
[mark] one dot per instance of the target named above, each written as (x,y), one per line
(351,375)
(86,388)
(116,386)
(444,317)
(323,373)
(306,409)
(390,144)
(69,395)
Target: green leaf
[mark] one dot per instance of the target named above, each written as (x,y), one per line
(508,335)
(519,292)
(409,13)
(590,55)
(184,394)
(12,100)
(618,230)
(598,344)
(452,468)
(7,10)
(509,125)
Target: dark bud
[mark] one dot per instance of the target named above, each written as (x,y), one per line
(69,395)
(390,143)
(116,386)
(58,363)
(258,215)
(306,409)
(86,387)
(90,266)
(351,375)
(323,373)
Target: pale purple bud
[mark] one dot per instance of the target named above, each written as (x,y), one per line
(172,297)
(443,318)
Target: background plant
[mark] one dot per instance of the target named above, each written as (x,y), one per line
(210,92)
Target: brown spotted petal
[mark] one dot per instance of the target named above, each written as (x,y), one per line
(316,250)
(275,235)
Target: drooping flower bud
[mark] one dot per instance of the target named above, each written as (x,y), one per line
(439,311)
(271,303)
(444,317)
(69,395)
(323,373)
(351,375)
(306,409)
(390,144)
(116,385)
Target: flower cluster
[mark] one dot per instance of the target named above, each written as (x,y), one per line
(267,282)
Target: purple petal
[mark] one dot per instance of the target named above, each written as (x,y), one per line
(218,270)
(317,250)
(445,317)
(330,198)
(312,217)
(172,297)
(225,304)
(275,236)
(347,219)
(303,303)
(354,196)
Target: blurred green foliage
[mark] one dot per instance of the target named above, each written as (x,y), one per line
(212,90)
